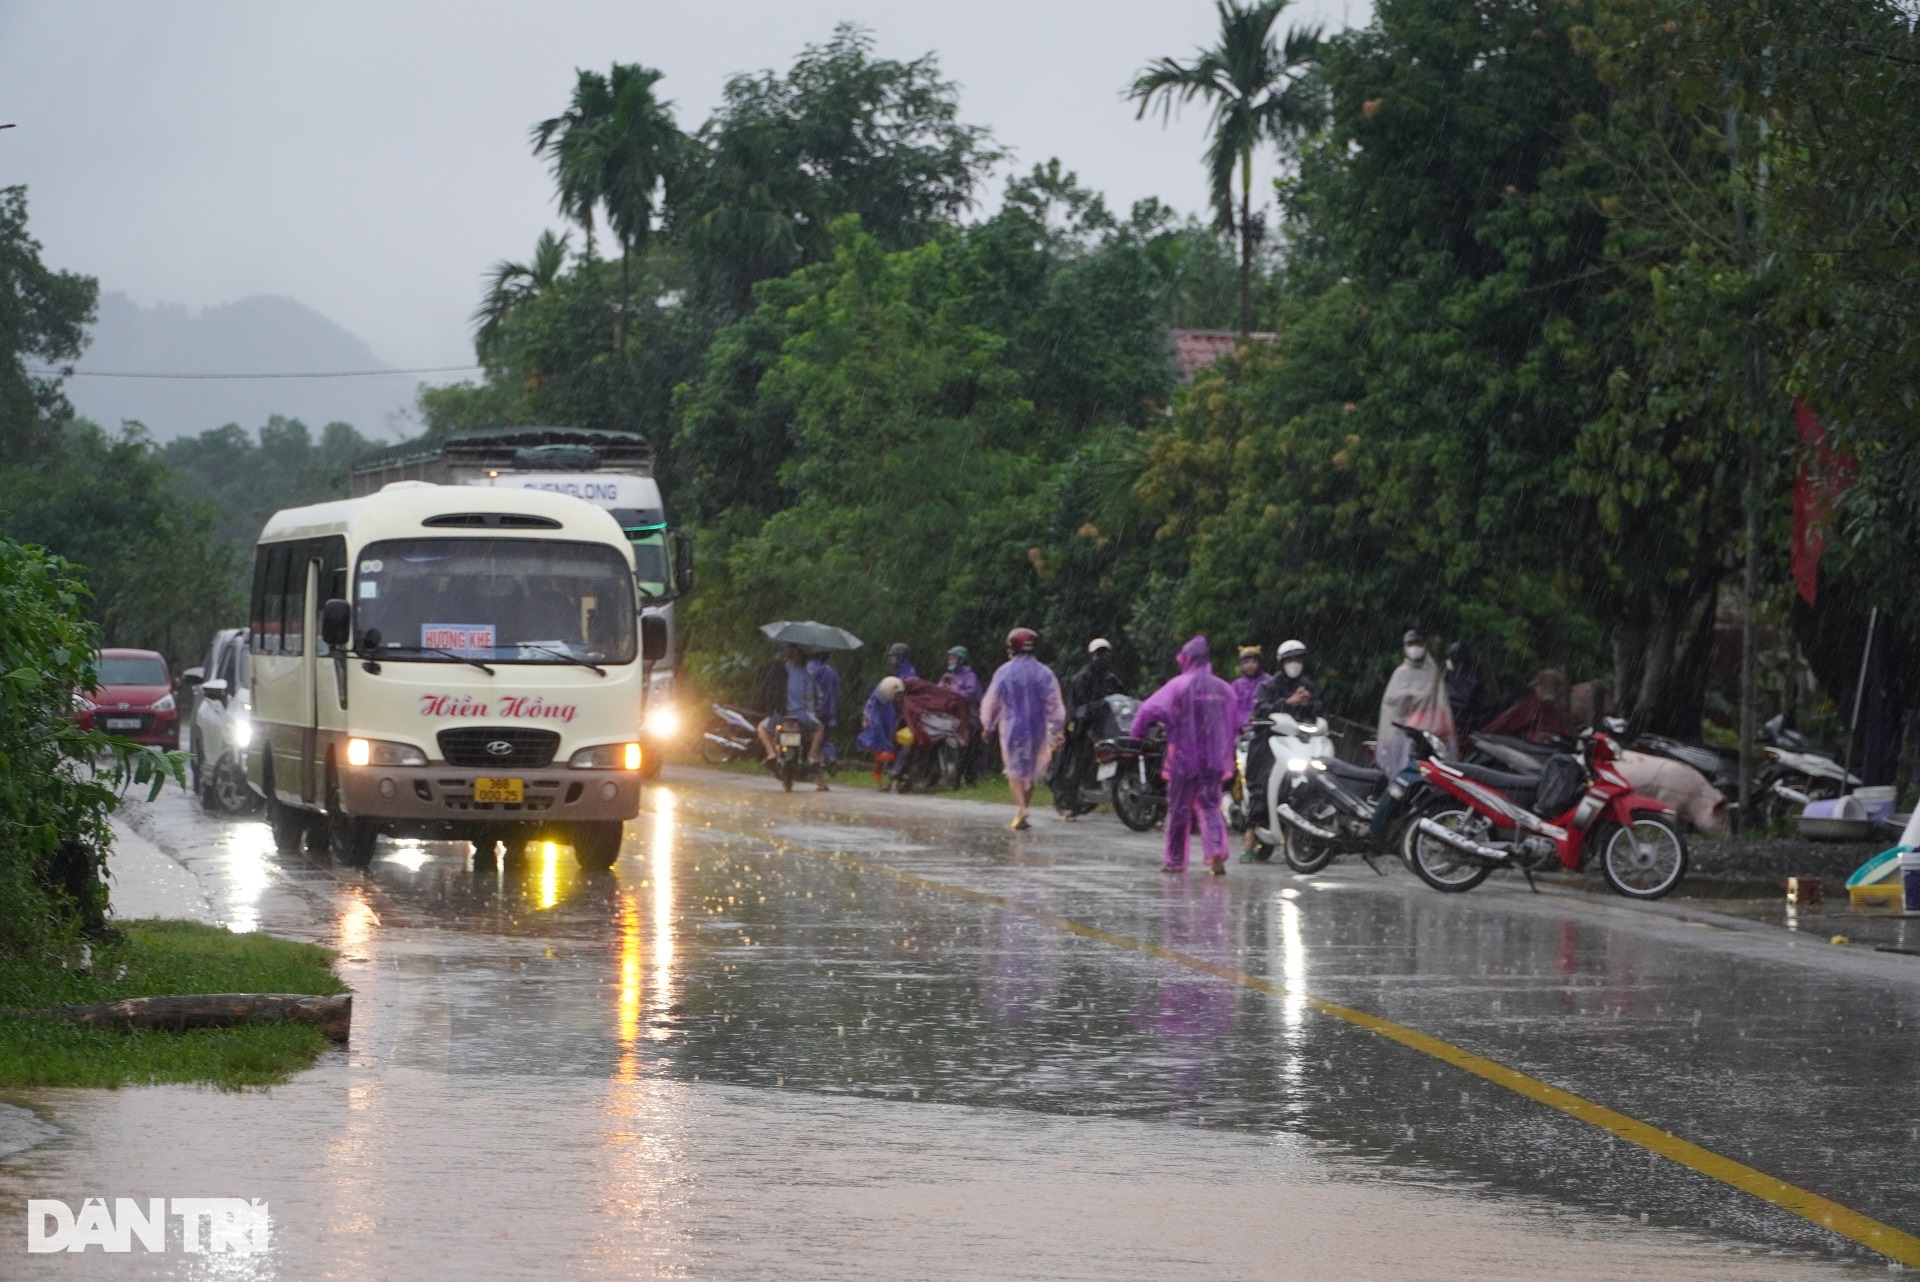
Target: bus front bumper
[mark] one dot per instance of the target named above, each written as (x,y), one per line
(445,794)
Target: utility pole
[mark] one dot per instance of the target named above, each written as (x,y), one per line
(1750,495)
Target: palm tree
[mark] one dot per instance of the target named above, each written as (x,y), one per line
(614,148)
(511,285)
(1258,90)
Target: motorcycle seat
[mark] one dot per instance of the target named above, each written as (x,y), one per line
(1359,774)
(1518,787)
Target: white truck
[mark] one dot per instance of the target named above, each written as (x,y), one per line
(611,470)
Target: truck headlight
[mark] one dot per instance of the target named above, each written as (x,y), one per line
(663,722)
(380,752)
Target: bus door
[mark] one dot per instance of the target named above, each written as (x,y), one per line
(307,576)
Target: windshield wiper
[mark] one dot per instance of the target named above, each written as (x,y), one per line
(562,654)
(433,649)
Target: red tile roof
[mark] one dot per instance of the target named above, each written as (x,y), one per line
(1195,349)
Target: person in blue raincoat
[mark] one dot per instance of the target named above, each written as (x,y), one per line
(879,721)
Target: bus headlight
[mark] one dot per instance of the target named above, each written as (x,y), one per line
(607,756)
(663,722)
(379,752)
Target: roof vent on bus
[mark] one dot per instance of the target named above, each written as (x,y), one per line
(493,521)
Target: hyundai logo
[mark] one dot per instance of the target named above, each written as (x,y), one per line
(500,748)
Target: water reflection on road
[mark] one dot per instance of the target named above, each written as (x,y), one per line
(738,1054)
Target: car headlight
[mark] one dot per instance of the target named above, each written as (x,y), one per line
(663,722)
(607,756)
(240,732)
(1297,764)
(164,703)
(82,703)
(380,752)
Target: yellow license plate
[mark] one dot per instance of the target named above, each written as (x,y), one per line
(499,790)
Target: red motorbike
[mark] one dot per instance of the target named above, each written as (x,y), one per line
(1475,820)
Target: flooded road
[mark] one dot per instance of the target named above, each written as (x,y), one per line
(883,1037)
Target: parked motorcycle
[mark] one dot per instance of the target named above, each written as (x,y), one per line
(1478,819)
(730,736)
(1317,805)
(1080,780)
(1132,768)
(935,759)
(1798,771)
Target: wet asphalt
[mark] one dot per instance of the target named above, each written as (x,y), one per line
(750,1052)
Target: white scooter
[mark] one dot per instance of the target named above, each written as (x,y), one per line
(1298,747)
(1798,771)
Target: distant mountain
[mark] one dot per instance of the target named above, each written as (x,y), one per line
(259,335)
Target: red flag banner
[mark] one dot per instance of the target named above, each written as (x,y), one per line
(1823,476)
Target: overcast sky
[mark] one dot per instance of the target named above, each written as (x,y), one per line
(371,160)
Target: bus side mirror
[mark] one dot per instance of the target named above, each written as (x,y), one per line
(336,623)
(653,638)
(682,562)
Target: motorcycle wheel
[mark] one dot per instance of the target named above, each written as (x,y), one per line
(717,754)
(788,769)
(1138,808)
(1304,854)
(1438,864)
(951,763)
(1644,861)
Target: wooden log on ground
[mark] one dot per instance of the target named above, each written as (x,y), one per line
(333,1016)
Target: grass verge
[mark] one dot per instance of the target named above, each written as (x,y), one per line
(152,958)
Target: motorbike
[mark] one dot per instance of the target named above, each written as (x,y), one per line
(1475,819)
(1318,806)
(935,760)
(1080,780)
(730,736)
(1798,771)
(790,737)
(1132,768)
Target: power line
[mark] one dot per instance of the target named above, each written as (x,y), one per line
(341,373)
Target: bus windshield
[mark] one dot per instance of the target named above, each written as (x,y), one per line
(500,600)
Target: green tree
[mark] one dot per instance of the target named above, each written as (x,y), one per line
(842,132)
(43,318)
(1259,92)
(511,285)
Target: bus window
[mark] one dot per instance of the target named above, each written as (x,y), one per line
(270,595)
(294,617)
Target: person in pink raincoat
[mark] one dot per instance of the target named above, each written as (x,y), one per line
(1197,709)
(1023,705)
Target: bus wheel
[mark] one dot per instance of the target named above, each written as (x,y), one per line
(288,824)
(597,845)
(349,840)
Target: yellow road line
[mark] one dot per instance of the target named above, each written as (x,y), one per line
(1828,1214)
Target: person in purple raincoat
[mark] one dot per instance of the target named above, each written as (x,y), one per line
(1246,686)
(1024,706)
(1196,707)
(965,682)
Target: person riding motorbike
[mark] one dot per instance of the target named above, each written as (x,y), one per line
(1293,692)
(965,682)
(1088,687)
(800,701)
(900,660)
(1246,686)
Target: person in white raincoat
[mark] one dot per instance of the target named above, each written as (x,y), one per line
(1416,696)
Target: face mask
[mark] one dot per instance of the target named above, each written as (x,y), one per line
(1295,669)
(953,664)
(1416,652)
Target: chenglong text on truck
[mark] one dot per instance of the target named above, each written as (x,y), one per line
(444,662)
(612,471)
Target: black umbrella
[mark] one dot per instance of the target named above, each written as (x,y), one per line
(809,635)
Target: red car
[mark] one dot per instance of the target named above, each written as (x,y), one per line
(134,698)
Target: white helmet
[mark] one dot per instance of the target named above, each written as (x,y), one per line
(1098,644)
(892,688)
(1291,649)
